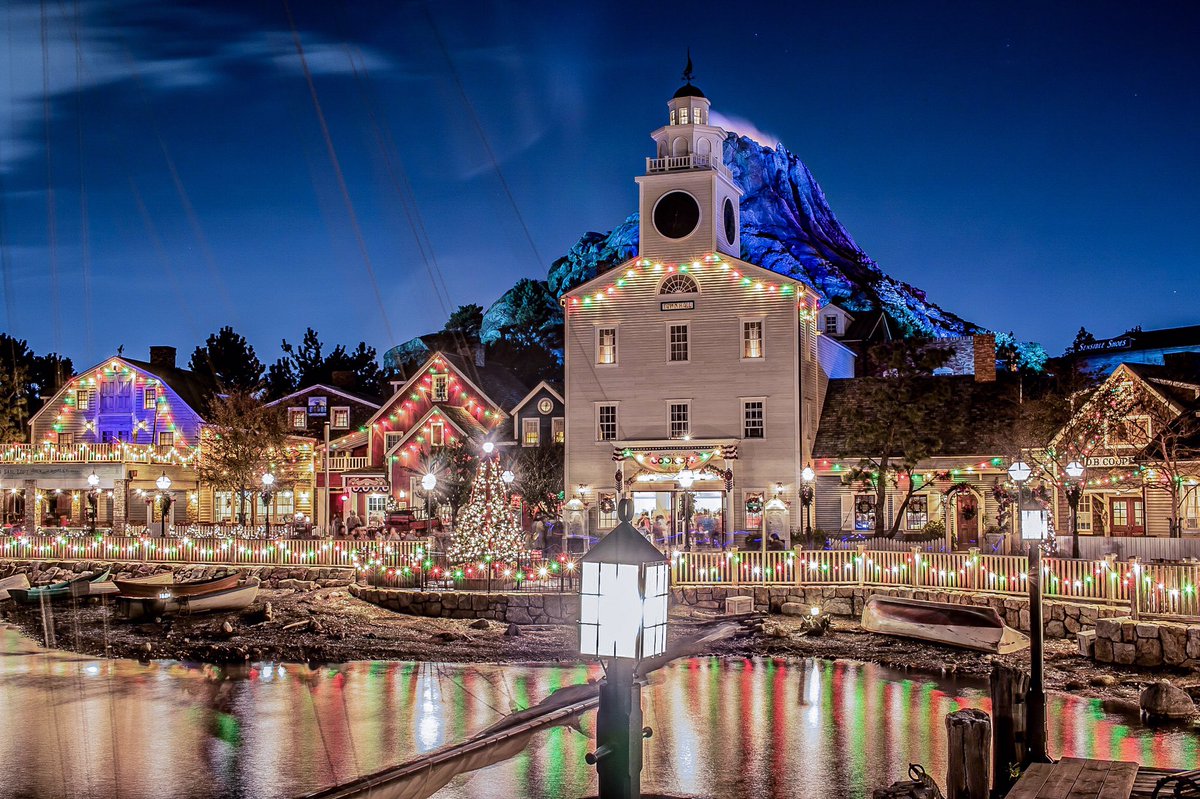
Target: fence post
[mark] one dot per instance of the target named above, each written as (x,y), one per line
(1110,578)
(974,570)
(797,566)
(916,567)
(735,569)
(1135,594)
(862,563)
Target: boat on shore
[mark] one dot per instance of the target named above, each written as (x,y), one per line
(154,585)
(81,586)
(166,603)
(964,626)
(18,581)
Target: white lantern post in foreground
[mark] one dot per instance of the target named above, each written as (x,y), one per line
(622,619)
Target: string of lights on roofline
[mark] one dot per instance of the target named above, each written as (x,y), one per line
(709,264)
(997,466)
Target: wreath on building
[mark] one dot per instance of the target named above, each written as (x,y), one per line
(754,504)
(607,505)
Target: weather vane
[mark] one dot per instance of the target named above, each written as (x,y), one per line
(688,72)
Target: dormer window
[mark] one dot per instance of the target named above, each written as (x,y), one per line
(679,284)
(831,324)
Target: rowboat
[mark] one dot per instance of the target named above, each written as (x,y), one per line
(155,584)
(78,587)
(965,626)
(18,581)
(166,603)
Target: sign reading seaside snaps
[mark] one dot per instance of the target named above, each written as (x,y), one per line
(366,485)
(1108,461)
(677,305)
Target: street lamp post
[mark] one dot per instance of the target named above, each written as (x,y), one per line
(686,479)
(1035,700)
(164,486)
(623,618)
(93,481)
(1074,490)
(428,484)
(807,475)
(268,493)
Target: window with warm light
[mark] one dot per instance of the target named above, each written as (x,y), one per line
(298,418)
(606,345)
(440,388)
(391,439)
(83,399)
(677,343)
(558,430)
(437,433)
(606,422)
(531,430)
(917,512)
(752,338)
(1084,519)
(166,438)
(680,419)
(149,398)
(683,116)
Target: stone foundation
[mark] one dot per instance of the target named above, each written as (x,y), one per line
(516,608)
(1127,642)
(42,572)
(1062,619)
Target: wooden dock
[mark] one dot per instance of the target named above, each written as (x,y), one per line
(1079,778)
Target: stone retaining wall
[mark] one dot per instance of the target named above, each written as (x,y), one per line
(517,608)
(42,572)
(1062,619)
(1144,643)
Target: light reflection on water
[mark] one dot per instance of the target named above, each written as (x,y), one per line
(735,728)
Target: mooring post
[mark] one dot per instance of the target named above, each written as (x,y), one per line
(1008,688)
(968,768)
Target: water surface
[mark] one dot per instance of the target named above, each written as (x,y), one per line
(755,727)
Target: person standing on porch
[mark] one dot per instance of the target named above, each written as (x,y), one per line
(353,522)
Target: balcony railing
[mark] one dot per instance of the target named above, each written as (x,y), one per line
(344,463)
(693,161)
(95,453)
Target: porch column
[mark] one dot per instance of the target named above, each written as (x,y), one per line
(78,508)
(31,506)
(120,507)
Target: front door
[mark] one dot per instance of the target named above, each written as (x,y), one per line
(968,520)
(1128,516)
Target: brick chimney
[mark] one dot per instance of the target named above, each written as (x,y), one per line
(984,346)
(162,357)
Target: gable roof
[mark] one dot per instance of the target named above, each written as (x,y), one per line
(744,266)
(494,380)
(191,387)
(461,420)
(492,376)
(545,385)
(985,408)
(355,396)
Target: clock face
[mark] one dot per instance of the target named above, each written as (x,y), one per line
(545,405)
(730,222)
(676,215)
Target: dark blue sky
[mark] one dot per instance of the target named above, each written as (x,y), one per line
(1032,166)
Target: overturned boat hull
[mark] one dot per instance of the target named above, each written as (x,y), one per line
(964,626)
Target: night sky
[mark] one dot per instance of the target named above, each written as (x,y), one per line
(1032,166)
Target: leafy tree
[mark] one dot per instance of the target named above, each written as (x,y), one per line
(1082,339)
(243,440)
(466,320)
(906,417)
(26,381)
(455,467)
(307,363)
(229,358)
(539,473)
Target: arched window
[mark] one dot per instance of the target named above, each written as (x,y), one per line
(679,284)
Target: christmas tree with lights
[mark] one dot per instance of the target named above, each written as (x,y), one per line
(485,531)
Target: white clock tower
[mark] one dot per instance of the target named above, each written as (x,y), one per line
(689,203)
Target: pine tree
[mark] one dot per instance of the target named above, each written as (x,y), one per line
(486,531)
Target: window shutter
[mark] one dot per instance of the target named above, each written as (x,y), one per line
(847,499)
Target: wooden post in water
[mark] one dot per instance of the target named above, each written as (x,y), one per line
(969,735)
(1009,687)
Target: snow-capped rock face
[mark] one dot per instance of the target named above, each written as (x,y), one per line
(789,228)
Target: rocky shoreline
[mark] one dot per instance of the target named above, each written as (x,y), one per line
(329,625)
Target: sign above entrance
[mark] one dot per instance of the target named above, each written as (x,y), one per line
(61,475)
(1108,461)
(366,485)
(677,305)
